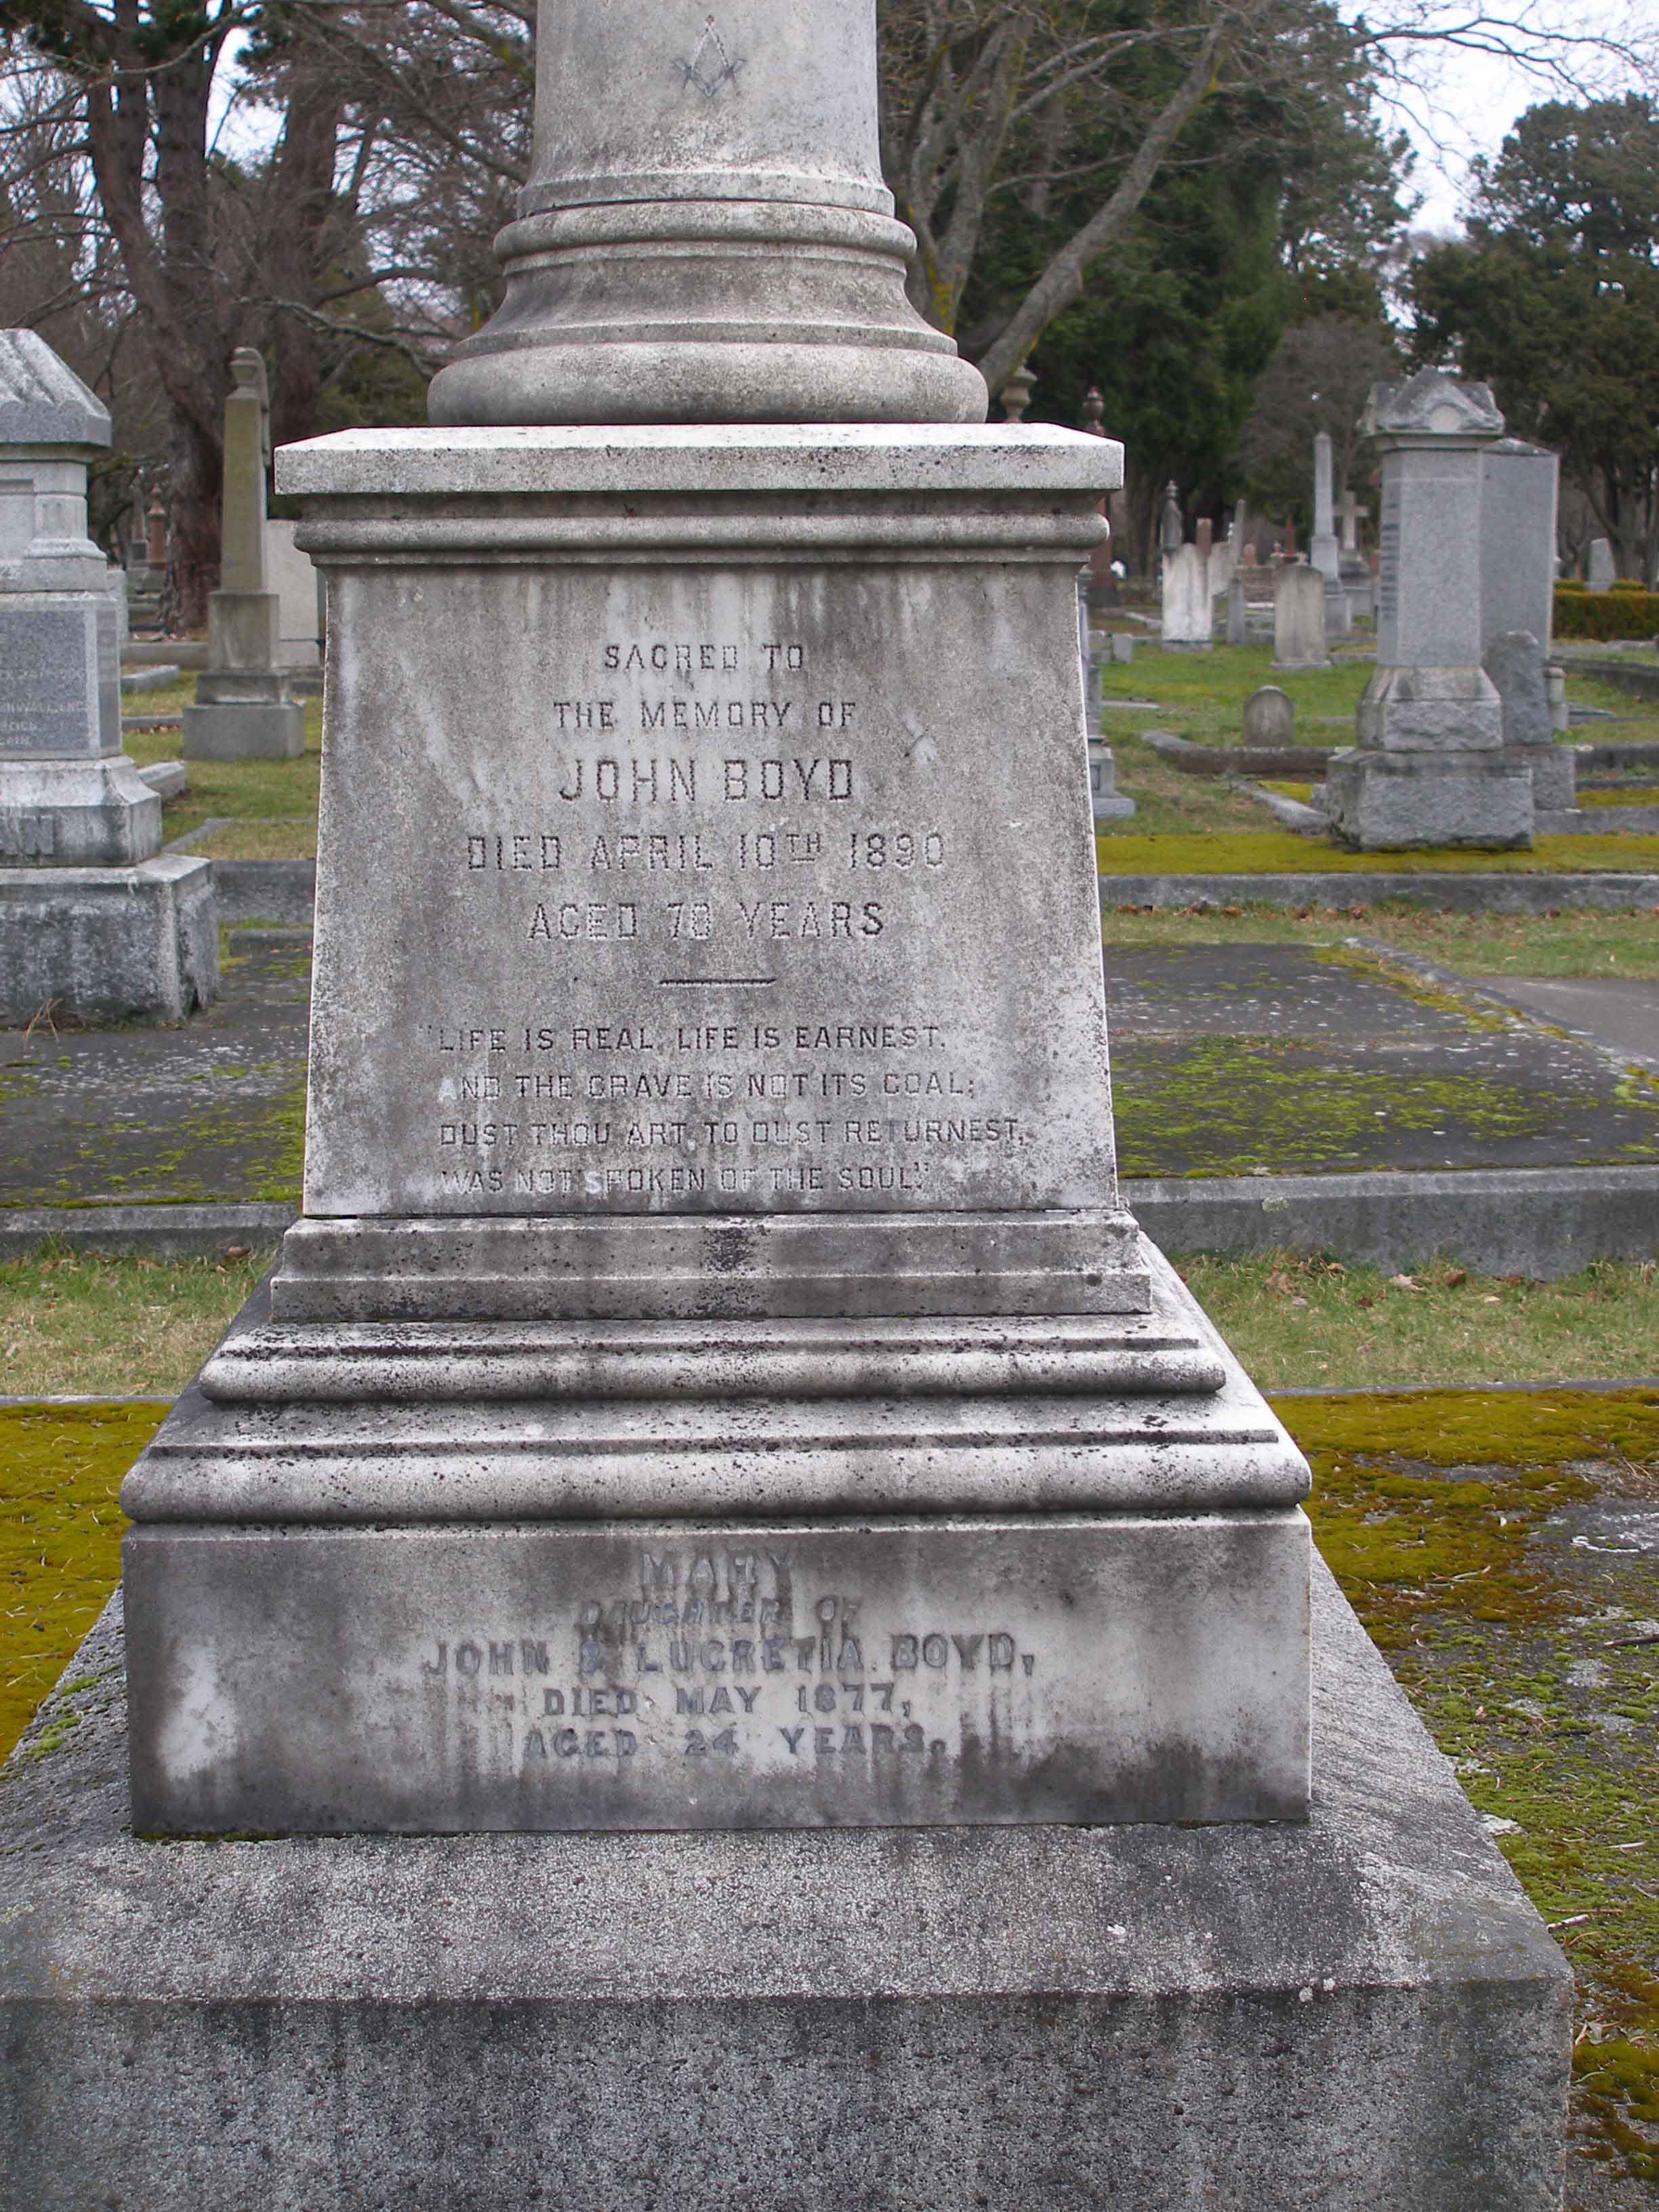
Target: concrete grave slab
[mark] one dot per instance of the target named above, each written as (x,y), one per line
(209,1111)
(1232,1058)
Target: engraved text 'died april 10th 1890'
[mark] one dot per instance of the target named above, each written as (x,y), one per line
(711,927)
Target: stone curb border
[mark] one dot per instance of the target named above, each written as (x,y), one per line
(1448,893)
(1537,1222)
(169,1232)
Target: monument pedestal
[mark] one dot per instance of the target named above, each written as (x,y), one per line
(1355,2010)
(93,921)
(109,943)
(712,1275)
(243,715)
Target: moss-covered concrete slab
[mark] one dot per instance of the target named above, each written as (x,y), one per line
(1242,1059)
(212,1110)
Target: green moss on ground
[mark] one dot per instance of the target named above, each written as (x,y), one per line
(60,1539)
(1230,1106)
(1535,1663)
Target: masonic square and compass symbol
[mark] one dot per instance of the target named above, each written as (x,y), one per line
(708,70)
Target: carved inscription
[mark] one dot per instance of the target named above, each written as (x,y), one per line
(46,704)
(718,848)
(724,1655)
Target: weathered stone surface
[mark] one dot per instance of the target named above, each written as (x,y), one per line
(1515,662)
(1519,491)
(293,576)
(1429,709)
(1299,618)
(77,813)
(247,458)
(1324,553)
(705,235)
(244,709)
(243,715)
(1391,801)
(108,944)
(655,781)
(60,676)
(1269,717)
(1358,2010)
(1603,569)
(68,793)
(1187,606)
(886,1674)
(1238,629)
(42,401)
(1108,802)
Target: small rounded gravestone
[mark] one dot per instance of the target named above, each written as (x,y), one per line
(1269,717)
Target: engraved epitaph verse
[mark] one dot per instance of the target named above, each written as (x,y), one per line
(713,923)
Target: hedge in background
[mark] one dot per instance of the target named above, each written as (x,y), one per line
(1605,615)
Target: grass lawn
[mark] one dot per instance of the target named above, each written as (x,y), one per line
(1447,1515)
(1575,944)
(1301,1323)
(87,1326)
(271,804)
(1189,825)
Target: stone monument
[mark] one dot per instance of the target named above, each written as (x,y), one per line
(93,920)
(716,1392)
(244,709)
(1299,604)
(1238,620)
(1520,490)
(294,579)
(1188,609)
(1603,569)
(1357,579)
(1324,553)
(1430,767)
(1109,804)
(1269,718)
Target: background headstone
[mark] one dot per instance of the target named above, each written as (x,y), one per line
(1269,717)
(1299,617)
(1188,611)
(92,921)
(244,709)
(1603,570)
(1515,662)
(1520,486)
(1324,553)
(1430,767)
(294,577)
(1238,629)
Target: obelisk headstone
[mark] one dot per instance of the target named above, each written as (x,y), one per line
(690,947)
(244,709)
(1324,553)
(92,923)
(1430,767)
(714,1387)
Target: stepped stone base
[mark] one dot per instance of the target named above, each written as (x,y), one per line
(1358,2010)
(1392,802)
(109,943)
